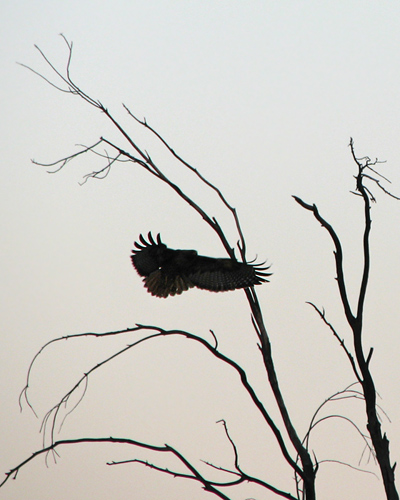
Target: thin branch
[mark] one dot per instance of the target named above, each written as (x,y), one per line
(152,466)
(242,475)
(67,91)
(64,161)
(377,182)
(103,173)
(350,421)
(224,484)
(358,469)
(215,339)
(346,393)
(341,341)
(376,171)
(235,451)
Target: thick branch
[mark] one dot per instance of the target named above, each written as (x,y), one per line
(308,472)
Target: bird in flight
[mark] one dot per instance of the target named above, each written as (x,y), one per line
(170,272)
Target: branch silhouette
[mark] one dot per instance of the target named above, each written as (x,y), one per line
(304,466)
(355,320)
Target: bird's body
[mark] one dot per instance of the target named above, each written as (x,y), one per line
(170,272)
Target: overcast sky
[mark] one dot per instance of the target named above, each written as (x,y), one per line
(262,97)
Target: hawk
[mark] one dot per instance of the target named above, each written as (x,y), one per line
(170,272)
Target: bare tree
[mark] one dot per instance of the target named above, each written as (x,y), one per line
(303,464)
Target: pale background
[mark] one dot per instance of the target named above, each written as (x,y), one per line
(262,97)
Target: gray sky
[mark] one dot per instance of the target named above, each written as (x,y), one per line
(262,97)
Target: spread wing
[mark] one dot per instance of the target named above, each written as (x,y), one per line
(170,272)
(219,275)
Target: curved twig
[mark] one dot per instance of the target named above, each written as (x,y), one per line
(358,469)
(24,392)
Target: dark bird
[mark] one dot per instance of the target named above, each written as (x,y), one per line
(171,272)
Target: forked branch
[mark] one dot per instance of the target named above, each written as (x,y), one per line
(52,416)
